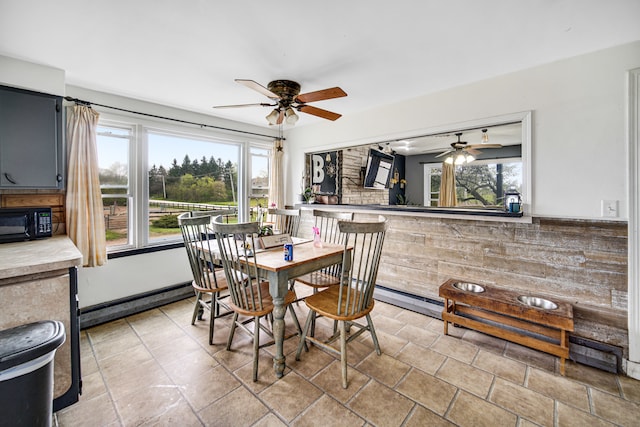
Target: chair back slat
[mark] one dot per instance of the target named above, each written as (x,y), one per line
(285,221)
(327,222)
(236,245)
(225,213)
(360,265)
(198,241)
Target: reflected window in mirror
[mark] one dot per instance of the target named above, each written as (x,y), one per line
(480,184)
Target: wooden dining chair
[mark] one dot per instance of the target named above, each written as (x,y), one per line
(248,291)
(327,223)
(285,221)
(225,213)
(207,279)
(352,299)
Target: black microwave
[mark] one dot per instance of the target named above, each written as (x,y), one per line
(18,224)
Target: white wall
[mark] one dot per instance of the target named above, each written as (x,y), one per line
(26,75)
(578,147)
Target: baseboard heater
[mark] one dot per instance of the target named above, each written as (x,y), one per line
(581,350)
(117,309)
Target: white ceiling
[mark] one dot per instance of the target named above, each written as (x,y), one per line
(187,54)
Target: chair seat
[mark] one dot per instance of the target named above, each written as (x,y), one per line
(267,301)
(318,279)
(220,278)
(326,304)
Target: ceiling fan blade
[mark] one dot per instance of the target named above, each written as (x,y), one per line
(485,146)
(257,87)
(319,112)
(319,95)
(245,105)
(473,151)
(445,153)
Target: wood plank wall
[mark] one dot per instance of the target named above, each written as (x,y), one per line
(583,262)
(39,198)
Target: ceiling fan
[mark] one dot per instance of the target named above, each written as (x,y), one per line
(286,98)
(460,152)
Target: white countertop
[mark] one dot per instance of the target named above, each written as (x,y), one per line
(38,256)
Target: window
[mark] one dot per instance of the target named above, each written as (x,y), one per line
(150,175)
(259,192)
(479,184)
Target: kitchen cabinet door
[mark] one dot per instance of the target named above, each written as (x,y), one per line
(30,140)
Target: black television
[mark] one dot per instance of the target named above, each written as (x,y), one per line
(378,171)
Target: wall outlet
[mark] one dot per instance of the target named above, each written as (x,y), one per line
(609,208)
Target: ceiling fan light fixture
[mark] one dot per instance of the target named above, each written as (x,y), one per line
(460,159)
(485,136)
(469,158)
(449,160)
(272,117)
(290,116)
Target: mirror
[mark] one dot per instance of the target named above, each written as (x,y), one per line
(409,169)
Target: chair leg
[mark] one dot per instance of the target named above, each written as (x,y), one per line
(232,330)
(303,335)
(374,337)
(212,318)
(343,352)
(197,310)
(297,324)
(256,347)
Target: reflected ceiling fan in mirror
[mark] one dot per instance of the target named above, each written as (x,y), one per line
(286,98)
(461,153)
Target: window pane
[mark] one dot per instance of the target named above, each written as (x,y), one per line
(186,174)
(113,160)
(259,192)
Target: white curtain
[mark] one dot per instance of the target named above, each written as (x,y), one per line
(276,178)
(448,186)
(84,210)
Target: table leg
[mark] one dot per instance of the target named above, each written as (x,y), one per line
(278,288)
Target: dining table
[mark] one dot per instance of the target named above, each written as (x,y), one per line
(306,258)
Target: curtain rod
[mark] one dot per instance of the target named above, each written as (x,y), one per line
(88,103)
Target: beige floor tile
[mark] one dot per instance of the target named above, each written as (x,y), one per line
(469,410)
(427,390)
(630,388)
(330,381)
(149,321)
(466,377)
(425,359)
(146,404)
(528,403)
(421,416)
(162,335)
(385,324)
(176,414)
(116,344)
(266,374)
(176,348)
(311,362)
(109,331)
(387,310)
(193,363)
(593,377)
(501,366)
(202,389)
(88,364)
(146,375)
(418,335)
(97,411)
(384,369)
(238,408)
(615,409)
(126,360)
(389,344)
(559,388)
(269,420)
(92,386)
(531,357)
(484,341)
(290,395)
(327,412)
(380,405)
(456,348)
(409,317)
(569,416)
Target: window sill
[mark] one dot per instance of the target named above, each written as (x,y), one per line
(121,253)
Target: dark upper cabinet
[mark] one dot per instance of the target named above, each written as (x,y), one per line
(31,147)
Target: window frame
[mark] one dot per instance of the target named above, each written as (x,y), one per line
(138,169)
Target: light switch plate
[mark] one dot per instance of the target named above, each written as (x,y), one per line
(609,208)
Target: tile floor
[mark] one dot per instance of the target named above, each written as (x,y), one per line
(155,368)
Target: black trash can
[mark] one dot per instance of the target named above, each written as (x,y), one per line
(26,373)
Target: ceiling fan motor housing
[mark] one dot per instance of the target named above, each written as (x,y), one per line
(287,90)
